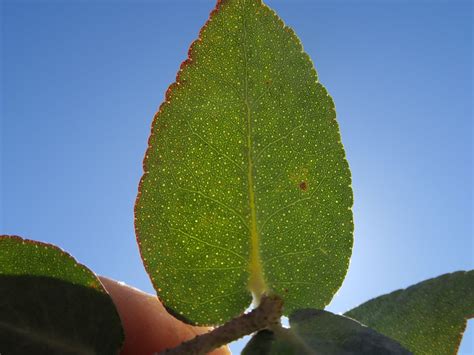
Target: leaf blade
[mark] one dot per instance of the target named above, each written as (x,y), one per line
(321,332)
(244,163)
(428,317)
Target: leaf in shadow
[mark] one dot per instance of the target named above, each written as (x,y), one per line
(50,304)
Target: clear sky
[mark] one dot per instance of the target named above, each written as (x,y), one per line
(81,81)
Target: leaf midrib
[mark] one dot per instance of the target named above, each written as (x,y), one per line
(256,282)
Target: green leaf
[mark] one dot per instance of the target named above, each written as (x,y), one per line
(321,332)
(50,304)
(262,343)
(246,187)
(427,318)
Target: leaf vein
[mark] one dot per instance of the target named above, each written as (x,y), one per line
(291,204)
(215,149)
(202,194)
(209,299)
(207,243)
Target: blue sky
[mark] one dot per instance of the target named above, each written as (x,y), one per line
(81,81)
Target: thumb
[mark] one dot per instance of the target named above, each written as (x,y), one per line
(148,327)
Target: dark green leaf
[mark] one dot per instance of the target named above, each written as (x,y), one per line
(427,318)
(321,332)
(246,185)
(50,304)
(286,342)
(262,343)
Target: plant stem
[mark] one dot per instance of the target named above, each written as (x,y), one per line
(266,315)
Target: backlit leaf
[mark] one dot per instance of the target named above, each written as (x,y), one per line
(427,318)
(246,187)
(50,304)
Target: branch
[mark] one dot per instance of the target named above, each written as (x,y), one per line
(266,315)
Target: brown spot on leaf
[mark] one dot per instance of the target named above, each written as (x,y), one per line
(303,185)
